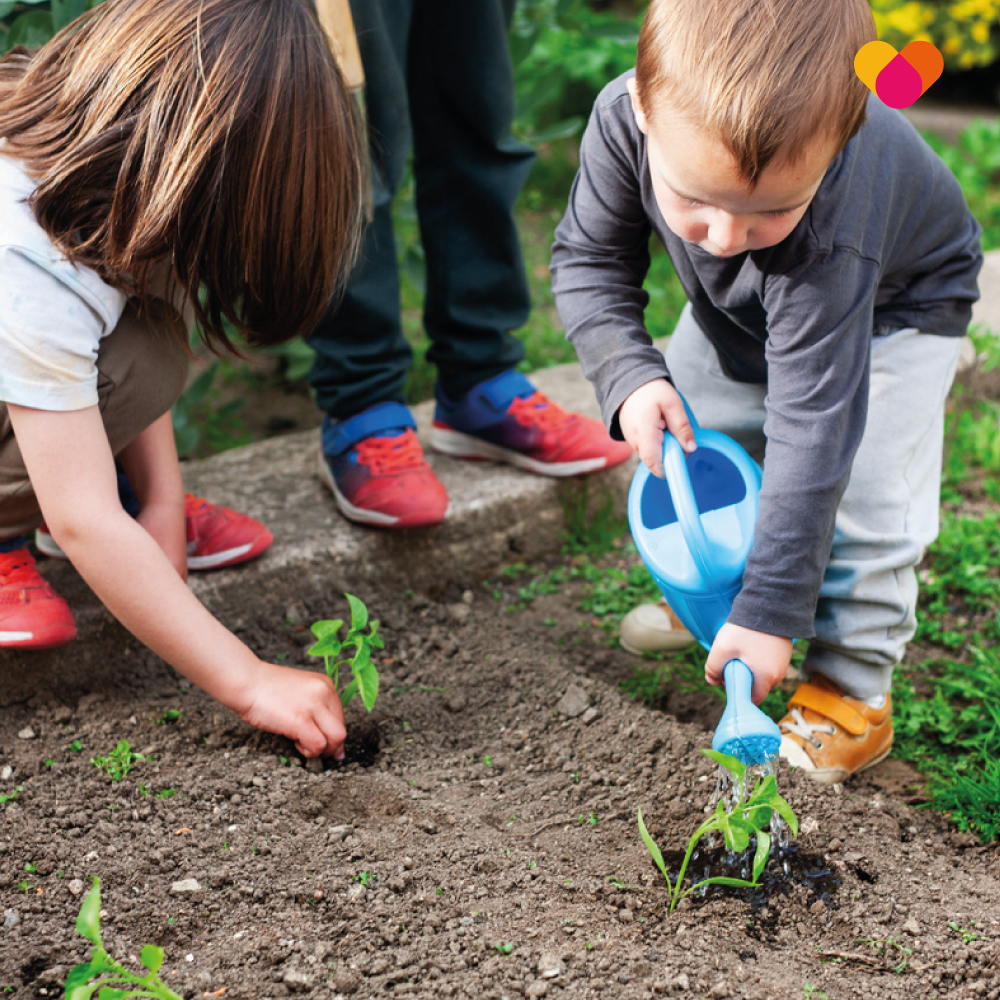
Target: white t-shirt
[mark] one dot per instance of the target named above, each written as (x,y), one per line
(53,314)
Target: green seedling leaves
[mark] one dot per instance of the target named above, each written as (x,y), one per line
(364,679)
(151,957)
(730,763)
(654,851)
(88,923)
(359,613)
(109,974)
(752,812)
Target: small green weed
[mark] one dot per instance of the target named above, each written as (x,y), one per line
(168,715)
(102,974)
(165,793)
(967,934)
(119,762)
(506,948)
(367,879)
(10,796)
(811,992)
(748,817)
(76,746)
(365,673)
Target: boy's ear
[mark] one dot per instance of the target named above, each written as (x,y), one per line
(640,115)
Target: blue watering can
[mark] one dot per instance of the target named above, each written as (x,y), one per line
(694,533)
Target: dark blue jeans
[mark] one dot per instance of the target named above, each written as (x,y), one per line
(439,77)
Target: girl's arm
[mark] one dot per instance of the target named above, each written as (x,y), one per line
(150,462)
(73,474)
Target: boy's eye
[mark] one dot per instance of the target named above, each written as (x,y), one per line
(778,215)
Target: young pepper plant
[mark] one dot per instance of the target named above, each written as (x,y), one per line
(748,817)
(365,673)
(113,980)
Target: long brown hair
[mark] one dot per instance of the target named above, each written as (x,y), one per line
(766,76)
(215,134)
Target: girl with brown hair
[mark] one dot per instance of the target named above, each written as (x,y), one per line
(160,161)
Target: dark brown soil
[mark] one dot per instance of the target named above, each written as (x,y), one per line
(498,834)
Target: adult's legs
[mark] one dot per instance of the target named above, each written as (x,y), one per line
(362,355)
(469,170)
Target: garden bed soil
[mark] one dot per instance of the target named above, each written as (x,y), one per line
(491,798)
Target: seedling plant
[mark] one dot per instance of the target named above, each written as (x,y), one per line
(119,762)
(365,673)
(749,815)
(112,979)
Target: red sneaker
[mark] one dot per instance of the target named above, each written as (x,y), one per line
(375,467)
(507,419)
(216,536)
(32,614)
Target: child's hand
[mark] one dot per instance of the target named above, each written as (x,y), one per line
(646,414)
(766,655)
(298,704)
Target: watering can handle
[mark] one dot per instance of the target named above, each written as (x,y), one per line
(738,679)
(675,470)
(682,493)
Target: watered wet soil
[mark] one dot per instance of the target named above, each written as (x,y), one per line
(482,842)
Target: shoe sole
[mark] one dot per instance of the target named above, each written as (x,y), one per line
(675,646)
(45,543)
(375,518)
(832,776)
(460,445)
(49,638)
(233,556)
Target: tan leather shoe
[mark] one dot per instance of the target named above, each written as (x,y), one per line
(653,628)
(831,735)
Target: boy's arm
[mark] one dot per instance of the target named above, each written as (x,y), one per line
(73,475)
(601,255)
(150,462)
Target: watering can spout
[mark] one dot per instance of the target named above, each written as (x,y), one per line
(744,731)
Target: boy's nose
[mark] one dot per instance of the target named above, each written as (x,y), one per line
(727,232)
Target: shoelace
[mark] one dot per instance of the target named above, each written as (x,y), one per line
(20,571)
(539,410)
(385,455)
(807,730)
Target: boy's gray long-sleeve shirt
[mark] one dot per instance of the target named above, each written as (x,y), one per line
(887,243)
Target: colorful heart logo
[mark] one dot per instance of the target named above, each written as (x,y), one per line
(897,79)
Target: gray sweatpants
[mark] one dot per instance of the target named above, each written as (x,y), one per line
(889,512)
(141,371)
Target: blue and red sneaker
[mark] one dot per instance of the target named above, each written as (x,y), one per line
(374,466)
(507,419)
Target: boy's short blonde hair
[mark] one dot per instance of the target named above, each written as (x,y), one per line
(767,76)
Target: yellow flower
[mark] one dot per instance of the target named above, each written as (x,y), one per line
(981,32)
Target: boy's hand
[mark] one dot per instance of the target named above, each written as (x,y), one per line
(766,655)
(298,704)
(646,414)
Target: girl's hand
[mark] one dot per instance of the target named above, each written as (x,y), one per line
(301,705)
(766,655)
(646,414)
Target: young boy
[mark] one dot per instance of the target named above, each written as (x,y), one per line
(830,262)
